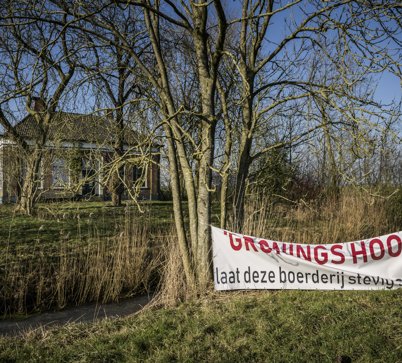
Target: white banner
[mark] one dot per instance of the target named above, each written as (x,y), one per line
(245,262)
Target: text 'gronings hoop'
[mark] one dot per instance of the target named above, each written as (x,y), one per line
(245,262)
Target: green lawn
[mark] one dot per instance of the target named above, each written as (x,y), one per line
(277,326)
(69,223)
(77,218)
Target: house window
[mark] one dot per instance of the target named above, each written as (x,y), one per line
(139,173)
(59,174)
(87,164)
(89,178)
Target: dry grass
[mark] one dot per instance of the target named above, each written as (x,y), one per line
(173,288)
(349,219)
(260,326)
(95,268)
(99,268)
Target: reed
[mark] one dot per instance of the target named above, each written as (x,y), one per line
(352,217)
(94,266)
(131,256)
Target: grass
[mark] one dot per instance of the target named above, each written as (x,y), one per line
(73,253)
(276,326)
(349,219)
(354,219)
(114,253)
(19,229)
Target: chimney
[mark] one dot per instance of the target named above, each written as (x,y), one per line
(37,104)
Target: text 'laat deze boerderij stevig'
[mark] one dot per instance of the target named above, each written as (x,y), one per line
(244,262)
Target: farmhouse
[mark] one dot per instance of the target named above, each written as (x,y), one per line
(77,159)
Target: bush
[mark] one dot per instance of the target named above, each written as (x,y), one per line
(273,173)
(303,187)
(394,210)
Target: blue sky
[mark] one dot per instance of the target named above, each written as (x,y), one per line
(389,88)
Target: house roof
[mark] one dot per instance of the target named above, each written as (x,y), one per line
(66,126)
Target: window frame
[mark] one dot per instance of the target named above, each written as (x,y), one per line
(135,178)
(67,175)
(40,175)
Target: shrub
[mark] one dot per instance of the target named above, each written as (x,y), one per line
(394,210)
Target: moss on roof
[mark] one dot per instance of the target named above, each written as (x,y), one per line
(67,126)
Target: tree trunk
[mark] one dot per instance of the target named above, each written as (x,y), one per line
(116,186)
(241,185)
(178,211)
(243,167)
(204,253)
(30,183)
(224,197)
(226,162)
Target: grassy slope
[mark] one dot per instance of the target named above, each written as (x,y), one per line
(75,241)
(279,326)
(19,231)
(57,225)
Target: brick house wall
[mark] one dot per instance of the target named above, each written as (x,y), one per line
(83,136)
(11,177)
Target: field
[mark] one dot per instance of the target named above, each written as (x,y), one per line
(279,326)
(72,253)
(78,219)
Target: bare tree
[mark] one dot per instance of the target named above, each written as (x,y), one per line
(36,69)
(274,81)
(193,19)
(116,80)
(275,77)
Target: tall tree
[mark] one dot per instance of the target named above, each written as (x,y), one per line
(274,80)
(274,73)
(36,64)
(116,81)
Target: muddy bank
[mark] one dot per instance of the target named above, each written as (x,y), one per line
(79,314)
